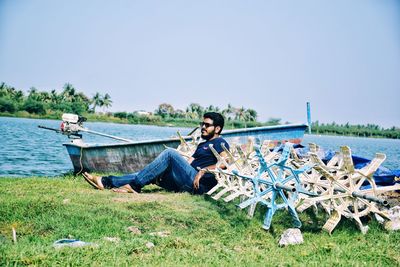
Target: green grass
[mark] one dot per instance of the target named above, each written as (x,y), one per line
(202,231)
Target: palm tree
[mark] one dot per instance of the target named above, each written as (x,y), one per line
(3,89)
(196,109)
(229,112)
(11,91)
(252,114)
(240,114)
(107,102)
(33,94)
(68,93)
(81,97)
(44,97)
(97,100)
(19,95)
(8,91)
(55,98)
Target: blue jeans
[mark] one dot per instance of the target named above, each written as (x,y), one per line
(170,169)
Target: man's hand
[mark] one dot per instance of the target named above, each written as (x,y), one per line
(196,181)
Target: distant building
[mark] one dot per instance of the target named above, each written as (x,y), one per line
(142,113)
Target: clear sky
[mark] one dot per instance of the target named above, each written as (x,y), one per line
(272,56)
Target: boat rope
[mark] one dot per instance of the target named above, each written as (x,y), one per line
(80,162)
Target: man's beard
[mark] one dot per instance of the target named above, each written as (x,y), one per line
(207,136)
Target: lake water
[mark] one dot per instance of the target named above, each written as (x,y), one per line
(27,150)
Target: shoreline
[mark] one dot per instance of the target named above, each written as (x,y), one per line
(98,118)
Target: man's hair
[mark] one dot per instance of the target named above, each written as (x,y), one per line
(218,119)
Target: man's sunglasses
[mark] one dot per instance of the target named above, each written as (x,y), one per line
(206,124)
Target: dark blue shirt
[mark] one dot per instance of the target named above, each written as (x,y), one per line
(203,157)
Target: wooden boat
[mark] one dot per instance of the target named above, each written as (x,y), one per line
(132,156)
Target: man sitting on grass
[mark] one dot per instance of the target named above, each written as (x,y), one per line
(171,170)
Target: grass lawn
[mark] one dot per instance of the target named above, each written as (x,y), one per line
(202,231)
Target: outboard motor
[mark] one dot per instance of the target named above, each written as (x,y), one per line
(71,124)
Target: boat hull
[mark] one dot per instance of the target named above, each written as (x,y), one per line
(131,157)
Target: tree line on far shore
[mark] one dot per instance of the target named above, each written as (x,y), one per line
(52,104)
(369,130)
(235,117)
(69,100)
(43,104)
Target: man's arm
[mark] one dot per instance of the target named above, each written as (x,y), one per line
(199,175)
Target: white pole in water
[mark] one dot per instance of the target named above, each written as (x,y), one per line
(309,117)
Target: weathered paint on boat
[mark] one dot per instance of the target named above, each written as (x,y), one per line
(131,157)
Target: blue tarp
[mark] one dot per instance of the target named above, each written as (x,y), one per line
(383,176)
